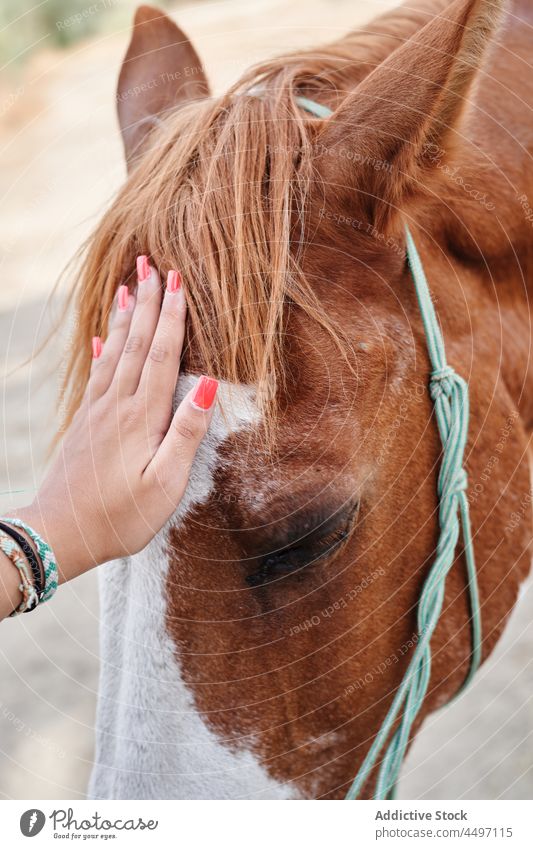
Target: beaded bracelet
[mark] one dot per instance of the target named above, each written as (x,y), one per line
(12,549)
(45,553)
(33,559)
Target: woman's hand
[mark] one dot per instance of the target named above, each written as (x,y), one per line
(124,462)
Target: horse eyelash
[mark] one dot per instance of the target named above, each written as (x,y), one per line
(330,543)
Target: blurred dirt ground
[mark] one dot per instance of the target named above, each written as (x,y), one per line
(60,163)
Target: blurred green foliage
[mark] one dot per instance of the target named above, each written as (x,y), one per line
(29,25)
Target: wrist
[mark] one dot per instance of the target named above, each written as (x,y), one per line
(60,530)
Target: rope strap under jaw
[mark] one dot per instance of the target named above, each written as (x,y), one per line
(449,393)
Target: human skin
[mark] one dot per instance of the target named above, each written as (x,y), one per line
(124,462)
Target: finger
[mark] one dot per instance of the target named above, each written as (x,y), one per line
(142,328)
(107,355)
(172,462)
(161,368)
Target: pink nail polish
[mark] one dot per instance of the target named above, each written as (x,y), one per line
(123,298)
(173,281)
(143,268)
(204,394)
(97,347)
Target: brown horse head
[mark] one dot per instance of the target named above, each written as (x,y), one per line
(262,636)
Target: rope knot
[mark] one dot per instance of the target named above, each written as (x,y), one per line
(460,483)
(441,382)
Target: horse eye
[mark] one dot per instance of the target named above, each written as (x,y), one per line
(297,557)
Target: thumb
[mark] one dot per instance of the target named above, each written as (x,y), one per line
(187,429)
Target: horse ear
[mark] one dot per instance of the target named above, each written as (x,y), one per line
(406,110)
(160,70)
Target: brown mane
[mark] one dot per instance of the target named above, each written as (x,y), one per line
(220,194)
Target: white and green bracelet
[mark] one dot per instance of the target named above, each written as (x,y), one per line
(12,549)
(45,553)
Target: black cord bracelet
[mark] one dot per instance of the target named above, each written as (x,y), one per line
(30,556)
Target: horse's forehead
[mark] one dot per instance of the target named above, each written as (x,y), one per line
(236,410)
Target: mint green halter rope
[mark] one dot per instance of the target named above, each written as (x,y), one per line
(450,396)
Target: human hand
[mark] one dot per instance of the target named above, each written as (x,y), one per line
(124,462)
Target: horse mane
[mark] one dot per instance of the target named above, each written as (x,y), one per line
(220,193)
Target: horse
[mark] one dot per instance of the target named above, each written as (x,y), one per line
(253,649)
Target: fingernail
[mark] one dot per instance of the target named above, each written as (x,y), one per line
(173,281)
(97,347)
(143,269)
(204,394)
(123,298)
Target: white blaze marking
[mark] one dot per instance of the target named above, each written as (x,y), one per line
(151,741)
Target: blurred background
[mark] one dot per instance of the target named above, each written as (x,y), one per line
(60,163)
